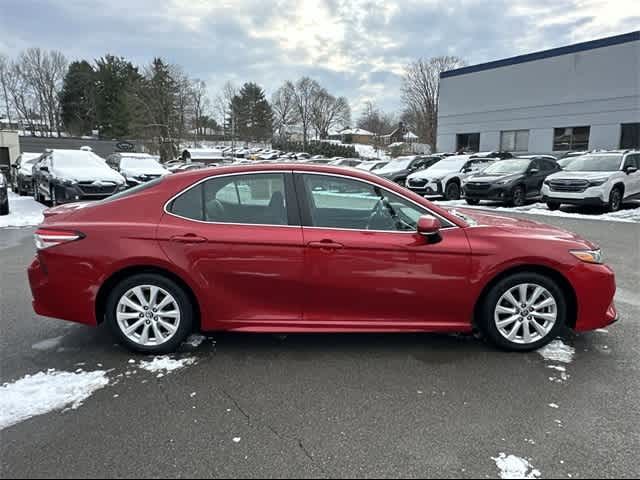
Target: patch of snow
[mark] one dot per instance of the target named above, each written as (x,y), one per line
(630,215)
(557,367)
(602,330)
(195,340)
(49,344)
(554,405)
(166,364)
(23,212)
(45,392)
(512,467)
(558,351)
(236,439)
(369,151)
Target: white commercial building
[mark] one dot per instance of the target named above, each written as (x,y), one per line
(580,97)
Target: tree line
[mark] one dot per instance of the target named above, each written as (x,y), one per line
(159,103)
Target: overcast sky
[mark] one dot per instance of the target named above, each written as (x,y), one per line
(355,48)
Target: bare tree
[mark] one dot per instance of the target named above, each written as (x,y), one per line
(421,93)
(304,91)
(184,101)
(223,104)
(284,107)
(328,111)
(44,73)
(21,96)
(201,105)
(376,121)
(4,80)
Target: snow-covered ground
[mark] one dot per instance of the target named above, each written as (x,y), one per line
(629,215)
(512,467)
(369,152)
(23,212)
(45,392)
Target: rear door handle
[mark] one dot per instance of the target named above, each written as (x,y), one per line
(189,238)
(326,245)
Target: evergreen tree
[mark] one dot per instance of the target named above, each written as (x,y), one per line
(252,113)
(77,99)
(116,80)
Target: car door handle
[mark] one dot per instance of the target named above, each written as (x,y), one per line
(326,245)
(189,238)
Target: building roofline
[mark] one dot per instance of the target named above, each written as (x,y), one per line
(554,52)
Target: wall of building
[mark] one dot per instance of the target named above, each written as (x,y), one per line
(9,139)
(599,88)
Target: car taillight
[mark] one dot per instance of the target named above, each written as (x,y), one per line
(48,237)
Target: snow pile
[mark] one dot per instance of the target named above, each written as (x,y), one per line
(631,215)
(23,212)
(512,467)
(369,152)
(45,392)
(166,364)
(558,351)
(195,340)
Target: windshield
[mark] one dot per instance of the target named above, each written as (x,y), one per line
(450,164)
(139,162)
(595,163)
(507,167)
(400,163)
(77,159)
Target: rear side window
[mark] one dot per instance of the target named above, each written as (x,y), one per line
(258,199)
(133,191)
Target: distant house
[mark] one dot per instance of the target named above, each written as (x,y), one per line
(400,135)
(357,135)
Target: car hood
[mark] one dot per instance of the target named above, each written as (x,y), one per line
(89,174)
(136,172)
(522,228)
(391,173)
(26,170)
(580,175)
(493,178)
(429,173)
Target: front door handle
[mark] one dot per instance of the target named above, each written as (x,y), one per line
(189,238)
(326,245)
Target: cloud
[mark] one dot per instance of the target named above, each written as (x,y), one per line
(356,48)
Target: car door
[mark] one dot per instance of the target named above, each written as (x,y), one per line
(632,182)
(239,237)
(534,178)
(367,269)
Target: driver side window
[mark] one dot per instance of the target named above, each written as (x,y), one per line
(336,202)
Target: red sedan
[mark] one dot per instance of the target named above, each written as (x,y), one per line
(309,248)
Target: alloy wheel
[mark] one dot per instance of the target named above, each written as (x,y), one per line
(148,315)
(526,313)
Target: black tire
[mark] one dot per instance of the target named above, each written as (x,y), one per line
(472,201)
(487,324)
(452,191)
(615,199)
(553,206)
(518,196)
(4,208)
(185,328)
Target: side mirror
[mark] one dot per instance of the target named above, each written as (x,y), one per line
(631,169)
(429,227)
(44,168)
(534,171)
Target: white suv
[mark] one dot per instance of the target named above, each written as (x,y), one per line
(444,178)
(598,179)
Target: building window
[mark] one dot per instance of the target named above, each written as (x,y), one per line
(571,138)
(514,141)
(468,142)
(630,135)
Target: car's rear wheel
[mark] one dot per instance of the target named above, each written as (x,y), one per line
(4,208)
(472,201)
(149,313)
(452,192)
(553,206)
(615,199)
(523,312)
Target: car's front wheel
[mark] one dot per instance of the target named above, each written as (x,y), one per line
(615,199)
(149,313)
(4,208)
(553,206)
(523,312)
(472,201)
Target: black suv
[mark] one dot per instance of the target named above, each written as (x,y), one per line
(512,181)
(398,169)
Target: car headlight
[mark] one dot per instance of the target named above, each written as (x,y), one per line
(588,256)
(69,183)
(501,182)
(597,182)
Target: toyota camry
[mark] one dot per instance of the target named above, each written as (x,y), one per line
(309,248)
